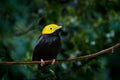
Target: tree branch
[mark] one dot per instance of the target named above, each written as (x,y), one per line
(71,59)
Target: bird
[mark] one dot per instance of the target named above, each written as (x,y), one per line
(48,45)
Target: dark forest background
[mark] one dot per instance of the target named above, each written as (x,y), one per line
(89,26)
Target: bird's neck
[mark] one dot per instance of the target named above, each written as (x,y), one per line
(51,35)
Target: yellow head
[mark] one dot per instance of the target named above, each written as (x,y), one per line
(51,28)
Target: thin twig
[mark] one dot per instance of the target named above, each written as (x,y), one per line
(71,59)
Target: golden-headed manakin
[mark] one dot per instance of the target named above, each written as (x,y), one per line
(48,44)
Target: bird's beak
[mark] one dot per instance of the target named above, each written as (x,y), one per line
(59,27)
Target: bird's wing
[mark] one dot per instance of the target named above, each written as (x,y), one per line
(39,45)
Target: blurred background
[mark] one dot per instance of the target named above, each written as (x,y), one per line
(89,26)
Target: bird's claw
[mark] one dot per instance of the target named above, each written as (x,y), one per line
(53,61)
(42,62)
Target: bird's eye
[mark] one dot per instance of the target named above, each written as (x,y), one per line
(50,28)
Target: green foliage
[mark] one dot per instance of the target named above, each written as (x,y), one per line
(89,25)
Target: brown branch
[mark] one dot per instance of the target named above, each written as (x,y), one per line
(71,59)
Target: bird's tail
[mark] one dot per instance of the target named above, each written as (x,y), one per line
(43,68)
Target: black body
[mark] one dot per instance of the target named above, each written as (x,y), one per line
(47,47)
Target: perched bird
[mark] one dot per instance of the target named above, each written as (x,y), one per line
(48,45)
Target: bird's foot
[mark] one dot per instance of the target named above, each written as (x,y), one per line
(42,63)
(53,61)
